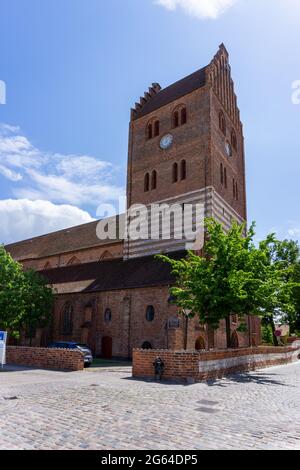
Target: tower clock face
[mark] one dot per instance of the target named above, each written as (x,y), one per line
(166,141)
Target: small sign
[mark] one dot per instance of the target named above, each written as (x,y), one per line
(3,338)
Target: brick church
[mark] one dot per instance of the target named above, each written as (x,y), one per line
(186,145)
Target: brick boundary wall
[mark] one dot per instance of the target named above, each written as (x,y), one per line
(45,358)
(201,366)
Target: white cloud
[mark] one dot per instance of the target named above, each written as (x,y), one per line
(72,179)
(199,8)
(294,233)
(22,219)
(10,174)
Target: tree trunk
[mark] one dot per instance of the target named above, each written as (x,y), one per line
(275,340)
(228,331)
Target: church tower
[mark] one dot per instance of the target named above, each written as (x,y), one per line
(186,145)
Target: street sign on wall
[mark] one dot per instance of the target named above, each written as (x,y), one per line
(3,338)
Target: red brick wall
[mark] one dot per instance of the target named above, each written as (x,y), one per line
(58,359)
(182,365)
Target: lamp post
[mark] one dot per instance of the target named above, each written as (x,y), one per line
(186,313)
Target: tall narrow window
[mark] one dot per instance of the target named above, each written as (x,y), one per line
(149,131)
(233,140)
(221,173)
(67,319)
(156,128)
(152,129)
(154,180)
(234,188)
(222,122)
(183,116)
(179,117)
(225,177)
(183,170)
(175,173)
(147,182)
(176,119)
(236,191)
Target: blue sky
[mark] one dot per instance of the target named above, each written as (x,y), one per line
(73,69)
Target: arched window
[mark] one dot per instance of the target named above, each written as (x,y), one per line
(183,170)
(150,313)
(149,131)
(175,173)
(107,315)
(147,345)
(152,129)
(67,319)
(225,178)
(154,180)
(183,116)
(179,116)
(176,119)
(222,122)
(200,344)
(147,182)
(233,140)
(235,340)
(221,173)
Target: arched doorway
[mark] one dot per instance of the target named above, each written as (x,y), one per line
(106,347)
(200,344)
(234,340)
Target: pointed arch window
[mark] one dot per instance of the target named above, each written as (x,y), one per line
(153,129)
(233,140)
(175,173)
(179,116)
(176,119)
(147,183)
(225,178)
(149,131)
(154,180)
(67,319)
(183,116)
(183,170)
(222,122)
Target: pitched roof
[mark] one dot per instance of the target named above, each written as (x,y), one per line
(64,241)
(116,274)
(173,92)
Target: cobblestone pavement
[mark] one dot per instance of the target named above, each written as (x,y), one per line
(106,409)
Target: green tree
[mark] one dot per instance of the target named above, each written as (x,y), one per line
(12,305)
(283,259)
(232,277)
(25,299)
(39,302)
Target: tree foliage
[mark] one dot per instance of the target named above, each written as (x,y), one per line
(233,276)
(25,299)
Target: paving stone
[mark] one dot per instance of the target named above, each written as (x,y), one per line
(259,410)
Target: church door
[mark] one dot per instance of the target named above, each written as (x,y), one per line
(107,347)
